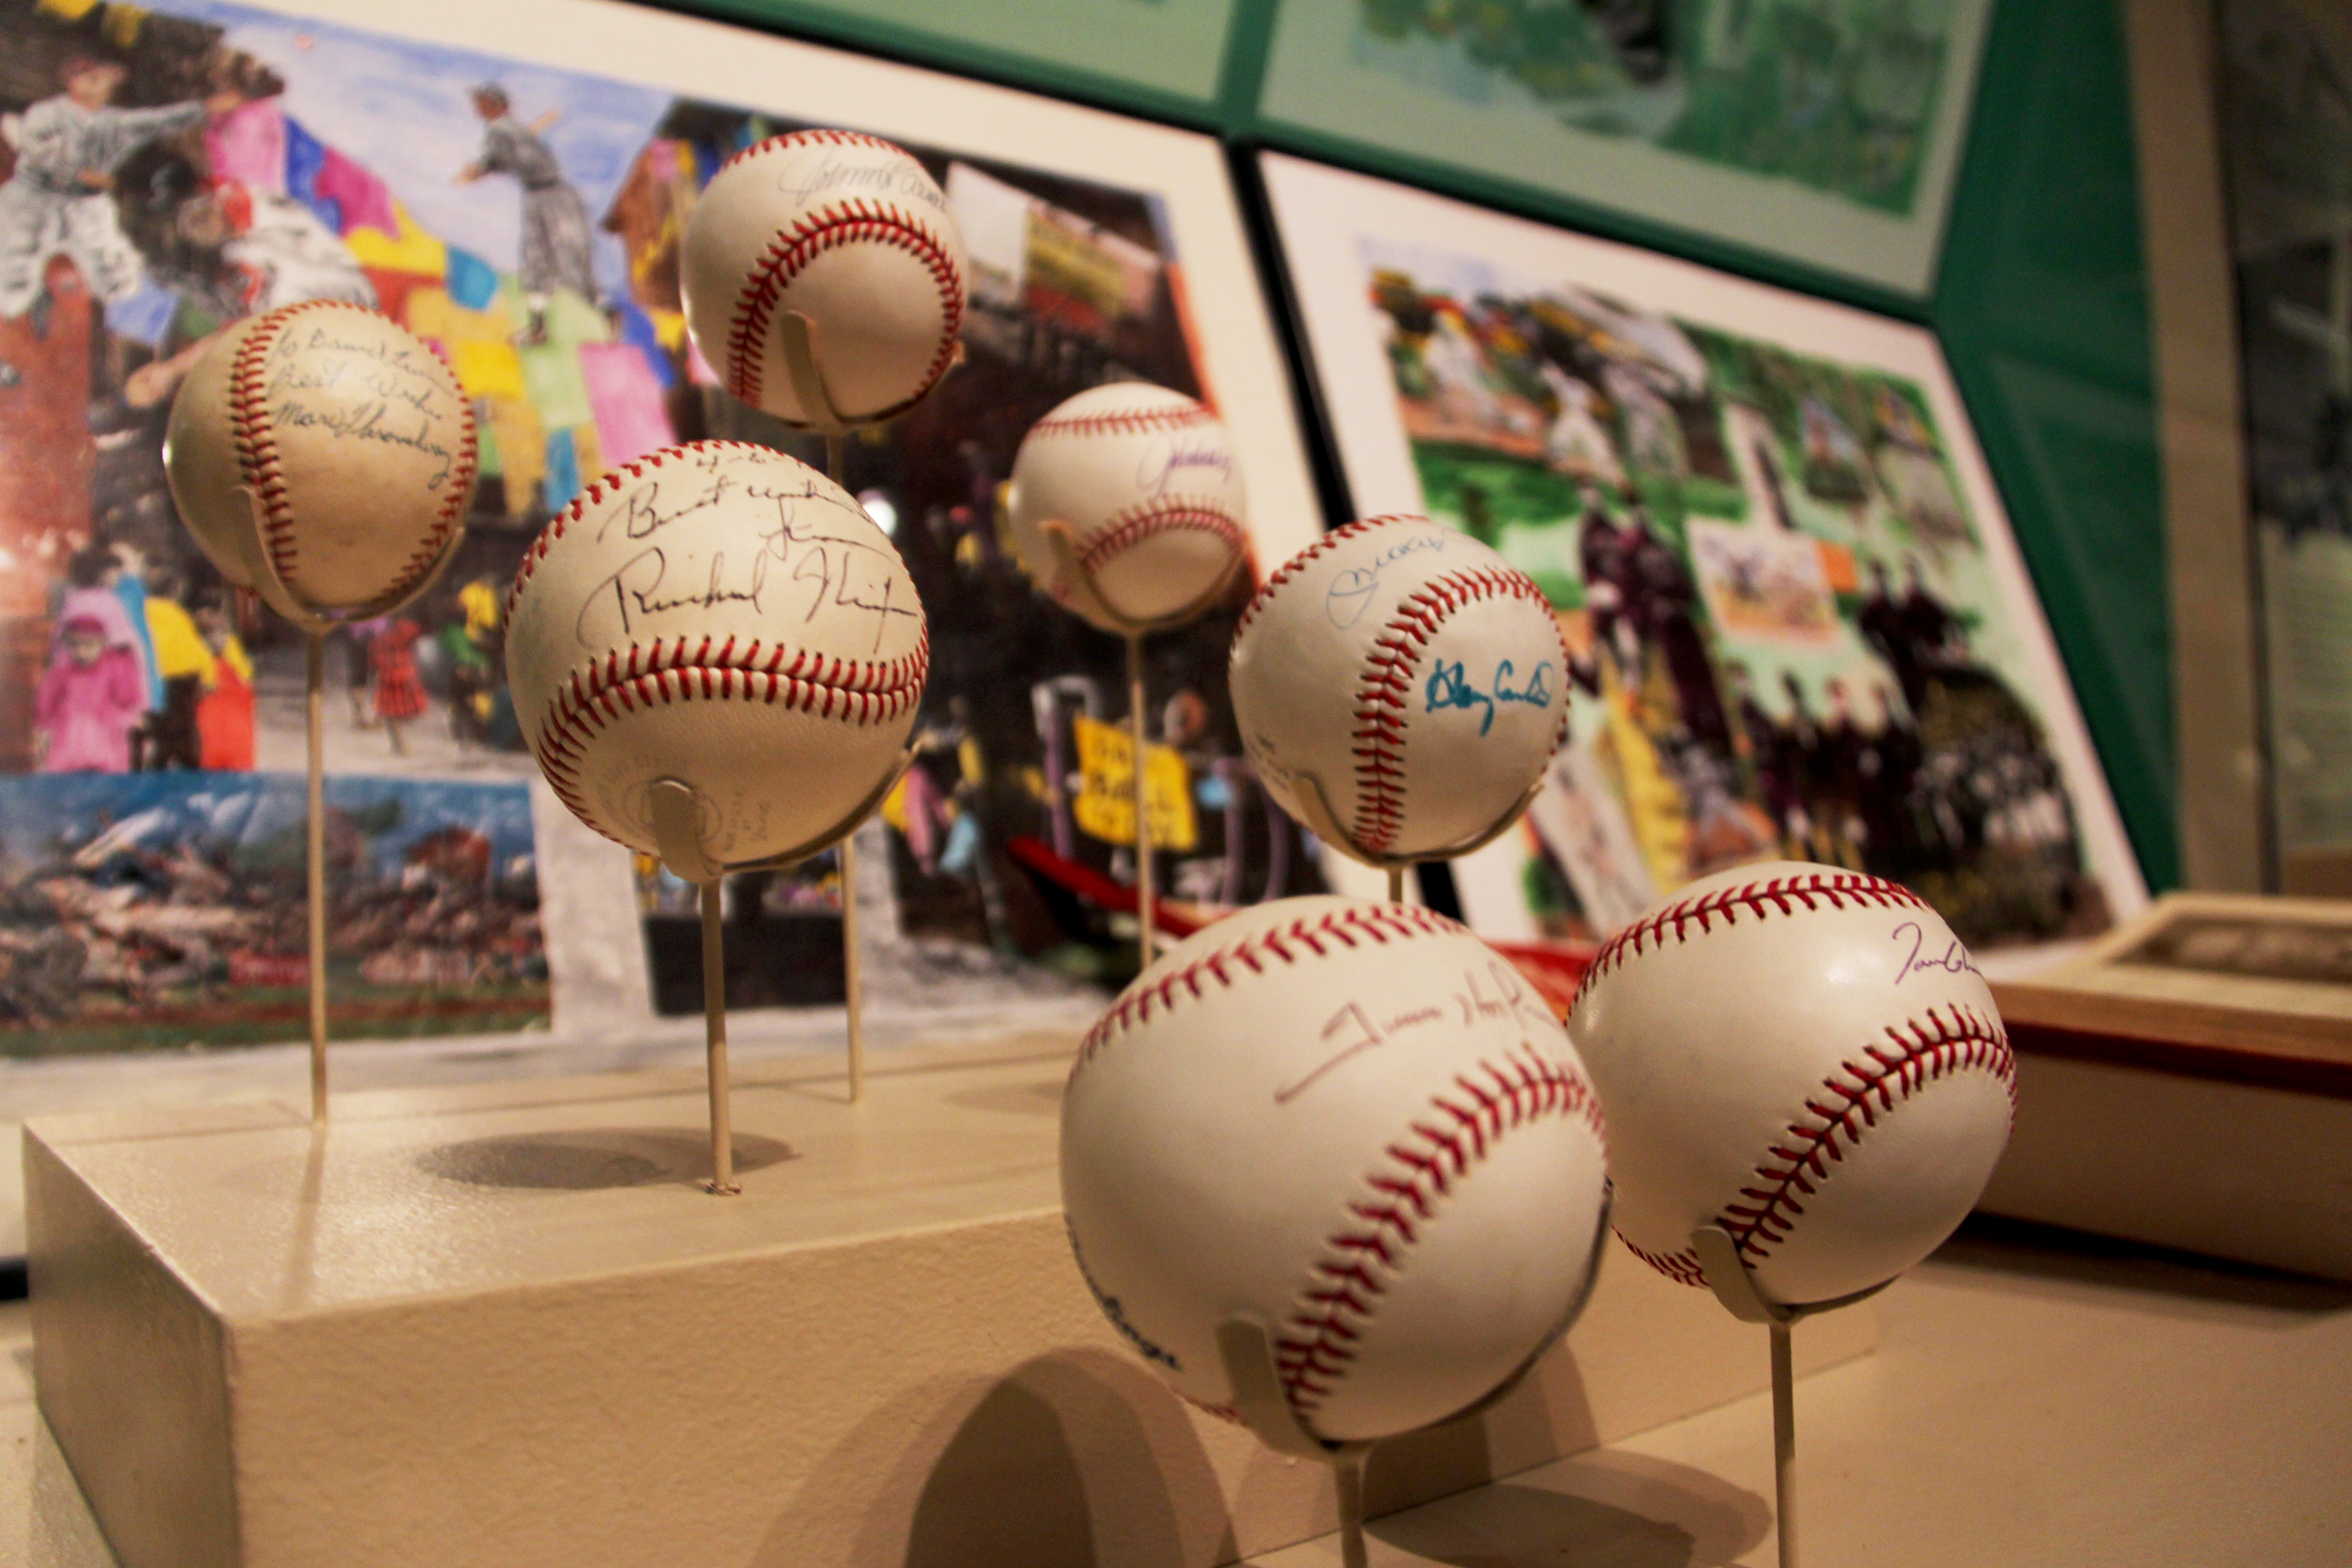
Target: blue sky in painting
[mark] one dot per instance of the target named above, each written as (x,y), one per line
(401,108)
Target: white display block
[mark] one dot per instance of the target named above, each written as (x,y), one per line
(502,1325)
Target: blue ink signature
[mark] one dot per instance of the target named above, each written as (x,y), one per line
(1449,687)
(1955,959)
(1351,593)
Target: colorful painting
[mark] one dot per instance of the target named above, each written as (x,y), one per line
(1796,619)
(165,172)
(1825,131)
(166,909)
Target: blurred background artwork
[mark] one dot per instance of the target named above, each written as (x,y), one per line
(164,171)
(1787,639)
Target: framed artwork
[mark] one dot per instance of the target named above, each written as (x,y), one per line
(1824,131)
(1799,623)
(512,182)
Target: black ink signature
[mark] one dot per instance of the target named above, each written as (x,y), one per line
(881,179)
(1955,959)
(371,421)
(1449,687)
(1351,593)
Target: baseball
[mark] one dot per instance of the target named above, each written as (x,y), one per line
(1413,673)
(723,615)
(1355,1122)
(850,231)
(1804,1056)
(1146,481)
(351,434)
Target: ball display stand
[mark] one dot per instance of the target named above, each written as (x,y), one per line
(315,622)
(1734,1287)
(1324,823)
(677,809)
(1092,605)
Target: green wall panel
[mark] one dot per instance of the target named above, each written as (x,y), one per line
(2043,309)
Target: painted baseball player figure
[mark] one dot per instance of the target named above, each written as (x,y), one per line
(61,201)
(555,235)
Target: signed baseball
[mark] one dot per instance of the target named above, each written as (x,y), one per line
(852,234)
(1804,1056)
(723,615)
(1415,675)
(1355,1122)
(1145,480)
(351,436)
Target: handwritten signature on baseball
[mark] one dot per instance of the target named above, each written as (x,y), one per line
(1500,993)
(1450,687)
(798,553)
(358,390)
(892,178)
(1351,590)
(1953,960)
(1169,461)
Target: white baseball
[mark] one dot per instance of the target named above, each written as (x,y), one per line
(1804,1056)
(724,615)
(351,433)
(849,231)
(1413,673)
(1355,1122)
(1145,479)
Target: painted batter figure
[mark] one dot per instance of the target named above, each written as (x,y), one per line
(555,234)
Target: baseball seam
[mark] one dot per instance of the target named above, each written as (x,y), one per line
(855,692)
(608,482)
(1312,1354)
(1780,896)
(1311,554)
(1383,703)
(254,435)
(1378,924)
(1128,421)
(821,137)
(1138,523)
(811,235)
(1919,1052)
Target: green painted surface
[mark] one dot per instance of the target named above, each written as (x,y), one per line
(2043,313)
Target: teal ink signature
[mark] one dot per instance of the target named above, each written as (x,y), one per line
(1450,687)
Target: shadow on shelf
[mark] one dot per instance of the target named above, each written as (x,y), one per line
(593,1161)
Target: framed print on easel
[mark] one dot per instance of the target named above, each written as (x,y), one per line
(1798,621)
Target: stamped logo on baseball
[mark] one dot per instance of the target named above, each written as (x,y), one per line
(724,615)
(1354,1121)
(1416,676)
(1805,1056)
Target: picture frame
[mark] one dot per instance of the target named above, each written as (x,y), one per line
(1539,368)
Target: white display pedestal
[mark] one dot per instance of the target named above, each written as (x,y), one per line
(501,1325)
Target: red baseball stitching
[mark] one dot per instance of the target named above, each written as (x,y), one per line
(1762,899)
(1384,691)
(1141,522)
(609,481)
(855,692)
(1851,1102)
(1375,923)
(1342,1291)
(1683,1268)
(817,137)
(811,235)
(1313,553)
(254,435)
(1129,421)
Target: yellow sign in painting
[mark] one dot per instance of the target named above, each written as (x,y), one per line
(1104,808)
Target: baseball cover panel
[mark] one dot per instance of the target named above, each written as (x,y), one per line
(1281,1116)
(1146,480)
(1758,1040)
(725,616)
(351,431)
(851,232)
(1417,675)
